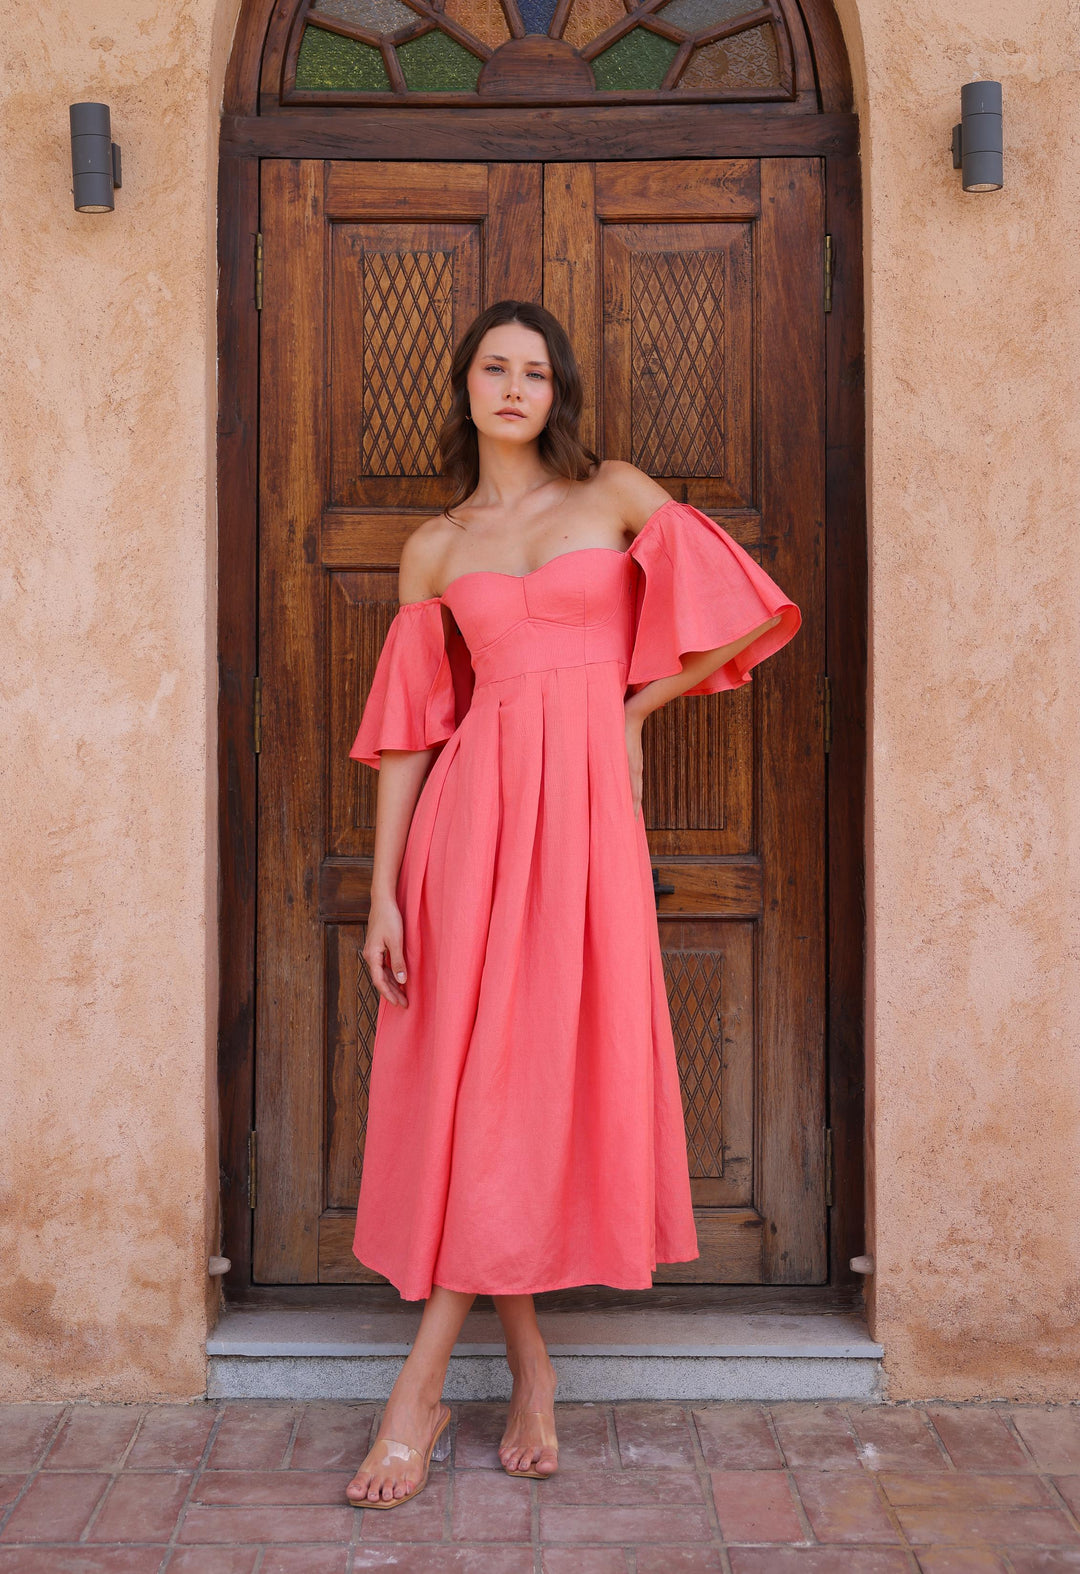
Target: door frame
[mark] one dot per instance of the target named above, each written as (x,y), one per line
(713,131)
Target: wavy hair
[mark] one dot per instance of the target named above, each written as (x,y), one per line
(560,445)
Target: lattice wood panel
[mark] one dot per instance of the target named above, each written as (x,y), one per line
(677,403)
(408,345)
(695,985)
(400,293)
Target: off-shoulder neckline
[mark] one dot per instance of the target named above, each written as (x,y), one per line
(494,573)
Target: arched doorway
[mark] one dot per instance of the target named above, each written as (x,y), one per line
(679,182)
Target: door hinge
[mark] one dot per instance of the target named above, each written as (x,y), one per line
(829,261)
(827,712)
(828,1168)
(251,1169)
(256,716)
(258,270)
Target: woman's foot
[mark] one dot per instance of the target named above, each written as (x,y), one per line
(407,1419)
(527,1442)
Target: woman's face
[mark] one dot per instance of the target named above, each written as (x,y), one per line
(511,385)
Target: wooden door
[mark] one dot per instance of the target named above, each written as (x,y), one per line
(692,292)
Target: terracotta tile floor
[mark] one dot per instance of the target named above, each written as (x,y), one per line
(644,1488)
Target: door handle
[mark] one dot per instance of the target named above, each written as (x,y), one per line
(658,889)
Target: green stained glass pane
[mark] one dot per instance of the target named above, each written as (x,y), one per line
(695,15)
(375,16)
(435,63)
(326,60)
(636,60)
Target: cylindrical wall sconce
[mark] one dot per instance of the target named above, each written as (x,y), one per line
(95,158)
(976,141)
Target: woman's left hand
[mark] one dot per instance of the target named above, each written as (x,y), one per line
(636,761)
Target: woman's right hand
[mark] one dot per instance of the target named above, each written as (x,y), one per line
(384,951)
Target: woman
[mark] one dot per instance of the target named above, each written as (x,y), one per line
(525,1127)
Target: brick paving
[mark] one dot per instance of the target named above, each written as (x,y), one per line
(643,1488)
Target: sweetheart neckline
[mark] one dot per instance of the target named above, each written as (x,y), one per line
(496,573)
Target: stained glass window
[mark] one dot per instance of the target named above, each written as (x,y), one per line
(637,59)
(635,48)
(537,15)
(377,16)
(589,18)
(747,60)
(438,64)
(486,19)
(693,16)
(328,61)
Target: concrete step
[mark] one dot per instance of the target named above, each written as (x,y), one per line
(682,1344)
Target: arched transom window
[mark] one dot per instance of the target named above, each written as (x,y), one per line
(575,51)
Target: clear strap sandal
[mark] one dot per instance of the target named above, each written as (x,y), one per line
(394,1450)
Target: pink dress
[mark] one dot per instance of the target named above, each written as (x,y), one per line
(525,1123)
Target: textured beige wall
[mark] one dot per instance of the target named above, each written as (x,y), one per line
(107,666)
(107,954)
(974,995)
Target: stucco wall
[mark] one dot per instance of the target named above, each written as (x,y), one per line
(974,997)
(107,666)
(107,954)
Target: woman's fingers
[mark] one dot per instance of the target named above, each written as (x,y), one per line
(382,978)
(385,956)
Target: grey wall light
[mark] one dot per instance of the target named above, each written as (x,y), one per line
(976,141)
(95,158)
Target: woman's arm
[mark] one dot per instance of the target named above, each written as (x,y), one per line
(697,666)
(638,497)
(402,773)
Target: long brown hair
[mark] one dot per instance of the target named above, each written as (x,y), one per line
(560,446)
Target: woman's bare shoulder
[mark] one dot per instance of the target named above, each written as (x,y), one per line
(422,556)
(631,493)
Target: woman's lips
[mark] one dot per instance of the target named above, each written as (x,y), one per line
(512,415)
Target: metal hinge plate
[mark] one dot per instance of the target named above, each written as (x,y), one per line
(829,263)
(258,270)
(251,1169)
(828,1168)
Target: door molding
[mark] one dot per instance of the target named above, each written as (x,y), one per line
(661,131)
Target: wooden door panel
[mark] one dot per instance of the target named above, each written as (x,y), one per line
(678,189)
(696,335)
(677,356)
(399,297)
(710,981)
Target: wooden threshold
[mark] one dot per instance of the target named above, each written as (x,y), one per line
(804,1300)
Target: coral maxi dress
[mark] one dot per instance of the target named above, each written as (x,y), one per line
(525,1124)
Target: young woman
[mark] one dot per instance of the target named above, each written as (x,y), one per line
(525,1124)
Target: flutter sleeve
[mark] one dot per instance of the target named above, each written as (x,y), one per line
(699,590)
(419,689)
